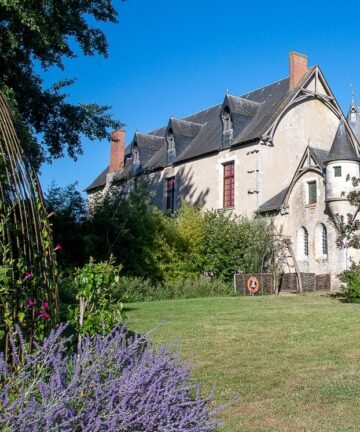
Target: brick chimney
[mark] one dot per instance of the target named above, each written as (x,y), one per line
(298,67)
(117,152)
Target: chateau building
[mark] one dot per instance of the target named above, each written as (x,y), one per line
(284,151)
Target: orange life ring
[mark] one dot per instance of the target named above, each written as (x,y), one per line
(253,284)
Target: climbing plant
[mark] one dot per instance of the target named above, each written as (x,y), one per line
(28,291)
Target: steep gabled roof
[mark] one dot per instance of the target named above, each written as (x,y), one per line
(342,147)
(200,134)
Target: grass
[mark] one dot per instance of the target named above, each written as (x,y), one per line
(294,360)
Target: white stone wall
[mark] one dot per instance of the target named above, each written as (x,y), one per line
(337,188)
(309,123)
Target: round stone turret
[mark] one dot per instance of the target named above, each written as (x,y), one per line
(342,163)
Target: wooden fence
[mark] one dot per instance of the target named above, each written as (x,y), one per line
(263,283)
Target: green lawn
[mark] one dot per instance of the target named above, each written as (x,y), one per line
(294,360)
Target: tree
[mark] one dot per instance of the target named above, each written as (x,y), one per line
(40,34)
(68,219)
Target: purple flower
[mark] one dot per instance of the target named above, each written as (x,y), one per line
(27,276)
(44,304)
(115,383)
(58,247)
(31,303)
(45,315)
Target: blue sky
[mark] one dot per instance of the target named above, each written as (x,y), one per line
(176,57)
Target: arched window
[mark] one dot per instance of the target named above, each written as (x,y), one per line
(227,126)
(302,244)
(324,240)
(321,241)
(306,242)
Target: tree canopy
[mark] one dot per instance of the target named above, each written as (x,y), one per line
(40,34)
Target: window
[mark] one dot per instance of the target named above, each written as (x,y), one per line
(227,127)
(337,171)
(136,155)
(170,194)
(171,150)
(324,240)
(302,244)
(229,185)
(306,242)
(353,115)
(312,198)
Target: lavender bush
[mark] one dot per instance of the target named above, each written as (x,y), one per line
(116,383)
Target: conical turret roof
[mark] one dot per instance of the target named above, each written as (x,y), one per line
(342,147)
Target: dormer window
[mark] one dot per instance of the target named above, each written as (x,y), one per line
(171,150)
(135,156)
(227,126)
(353,114)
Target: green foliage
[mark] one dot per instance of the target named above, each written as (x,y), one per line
(43,33)
(128,227)
(158,248)
(351,289)
(134,289)
(69,222)
(217,244)
(99,309)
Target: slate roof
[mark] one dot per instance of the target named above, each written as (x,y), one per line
(319,155)
(99,181)
(342,147)
(200,134)
(274,203)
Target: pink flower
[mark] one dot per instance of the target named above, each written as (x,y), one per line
(27,276)
(44,315)
(58,247)
(45,304)
(31,303)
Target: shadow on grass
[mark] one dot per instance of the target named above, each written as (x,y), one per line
(129,308)
(342,297)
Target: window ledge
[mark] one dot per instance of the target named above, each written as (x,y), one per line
(311,206)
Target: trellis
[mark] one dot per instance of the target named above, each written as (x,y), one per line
(28,290)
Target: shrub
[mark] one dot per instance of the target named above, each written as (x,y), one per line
(137,289)
(116,383)
(351,289)
(232,244)
(100,307)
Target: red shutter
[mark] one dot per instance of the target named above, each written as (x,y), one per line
(170,194)
(229,185)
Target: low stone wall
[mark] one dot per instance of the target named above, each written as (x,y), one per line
(288,282)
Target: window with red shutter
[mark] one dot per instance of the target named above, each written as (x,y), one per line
(229,184)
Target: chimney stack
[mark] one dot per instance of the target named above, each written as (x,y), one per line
(117,152)
(298,68)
